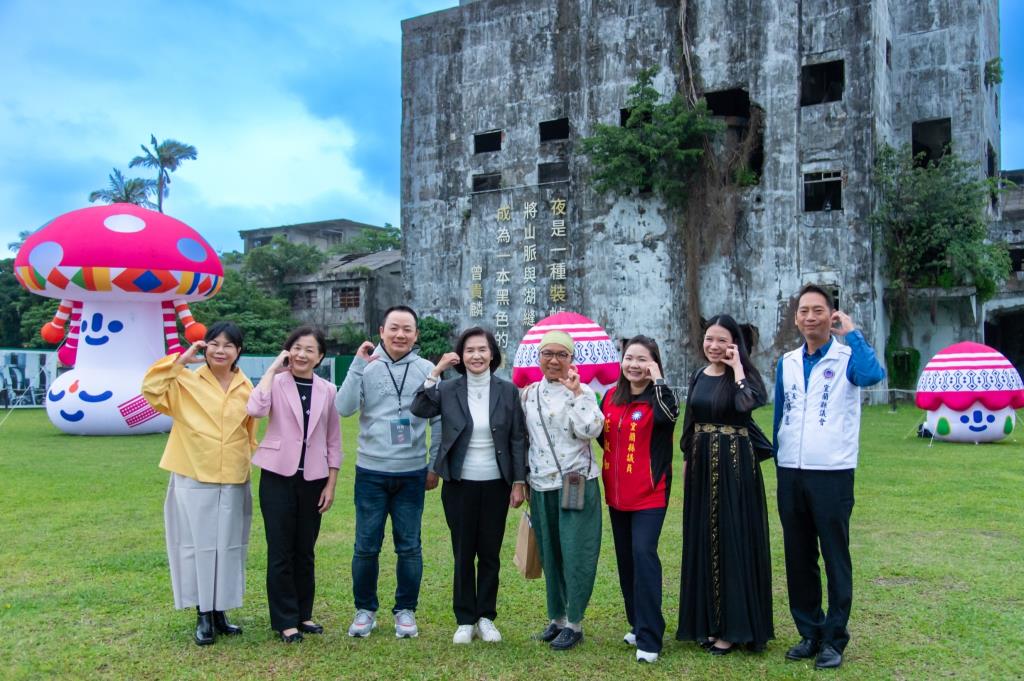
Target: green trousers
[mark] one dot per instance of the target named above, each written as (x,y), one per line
(570,543)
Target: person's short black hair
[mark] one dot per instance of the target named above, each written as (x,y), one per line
(231,331)
(308,330)
(460,346)
(814,288)
(400,308)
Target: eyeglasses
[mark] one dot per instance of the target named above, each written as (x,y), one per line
(547,354)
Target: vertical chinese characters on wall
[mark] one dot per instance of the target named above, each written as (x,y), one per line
(526,275)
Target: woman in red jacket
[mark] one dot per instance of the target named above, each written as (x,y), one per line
(639,415)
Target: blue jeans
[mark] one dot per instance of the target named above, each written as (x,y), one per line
(376,496)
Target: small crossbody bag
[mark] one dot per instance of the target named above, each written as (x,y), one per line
(574,484)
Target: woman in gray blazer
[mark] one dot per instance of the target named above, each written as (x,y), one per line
(482,460)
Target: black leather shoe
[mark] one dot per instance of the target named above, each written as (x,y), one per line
(828,657)
(311,628)
(549,634)
(291,638)
(805,650)
(718,652)
(705,643)
(566,639)
(221,624)
(204,629)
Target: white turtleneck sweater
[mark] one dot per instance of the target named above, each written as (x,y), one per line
(481,462)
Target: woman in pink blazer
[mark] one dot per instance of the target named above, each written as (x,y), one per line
(300,456)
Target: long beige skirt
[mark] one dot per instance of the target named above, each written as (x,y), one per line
(207,527)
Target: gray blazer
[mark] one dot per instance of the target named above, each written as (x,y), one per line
(449,399)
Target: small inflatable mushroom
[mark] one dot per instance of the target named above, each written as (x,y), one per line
(970,392)
(596,357)
(123,275)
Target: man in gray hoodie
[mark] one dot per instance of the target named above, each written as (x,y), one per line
(391,466)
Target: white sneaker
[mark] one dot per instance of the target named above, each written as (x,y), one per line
(363,624)
(405,624)
(464,634)
(487,632)
(629,638)
(642,656)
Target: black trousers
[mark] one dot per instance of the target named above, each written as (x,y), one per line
(815,509)
(476,512)
(636,535)
(292,522)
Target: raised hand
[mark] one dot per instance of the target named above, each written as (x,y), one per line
(841,323)
(572,381)
(280,363)
(447,361)
(190,355)
(365,352)
(653,371)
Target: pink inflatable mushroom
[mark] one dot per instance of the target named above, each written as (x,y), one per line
(124,275)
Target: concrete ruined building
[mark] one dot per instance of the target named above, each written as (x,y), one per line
(349,289)
(501,227)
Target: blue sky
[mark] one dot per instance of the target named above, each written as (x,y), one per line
(295,108)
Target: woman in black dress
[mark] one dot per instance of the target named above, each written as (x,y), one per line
(725,592)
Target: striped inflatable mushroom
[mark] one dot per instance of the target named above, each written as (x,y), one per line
(124,276)
(596,356)
(970,392)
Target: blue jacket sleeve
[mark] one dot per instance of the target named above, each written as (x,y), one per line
(780,404)
(863,369)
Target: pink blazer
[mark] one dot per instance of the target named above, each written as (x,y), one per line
(282,443)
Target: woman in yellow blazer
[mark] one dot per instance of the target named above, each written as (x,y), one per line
(208,510)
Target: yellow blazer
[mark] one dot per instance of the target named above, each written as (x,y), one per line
(213,436)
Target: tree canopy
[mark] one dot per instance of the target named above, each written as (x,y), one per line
(165,158)
(271,264)
(136,191)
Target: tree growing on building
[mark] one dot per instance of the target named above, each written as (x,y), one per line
(932,221)
(275,262)
(372,241)
(165,158)
(658,148)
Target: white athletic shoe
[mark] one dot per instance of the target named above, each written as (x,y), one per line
(363,624)
(405,624)
(464,634)
(629,638)
(487,632)
(643,656)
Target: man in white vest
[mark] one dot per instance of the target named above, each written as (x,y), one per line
(817,434)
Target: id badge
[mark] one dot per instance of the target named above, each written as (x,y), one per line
(401,433)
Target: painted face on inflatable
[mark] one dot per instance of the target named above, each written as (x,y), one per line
(124,275)
(970,392)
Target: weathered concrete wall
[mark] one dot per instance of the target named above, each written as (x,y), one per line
(508,65)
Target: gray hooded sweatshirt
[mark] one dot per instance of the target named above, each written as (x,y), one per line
(371,388)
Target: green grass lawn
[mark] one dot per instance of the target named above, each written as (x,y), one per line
(937,540)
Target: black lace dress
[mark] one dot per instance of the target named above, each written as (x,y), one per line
(725,588)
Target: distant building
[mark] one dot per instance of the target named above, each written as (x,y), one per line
(322,234)
(349,289)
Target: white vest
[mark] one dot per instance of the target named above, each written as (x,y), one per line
(820,427)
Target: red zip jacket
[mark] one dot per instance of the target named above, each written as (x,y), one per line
(637,441)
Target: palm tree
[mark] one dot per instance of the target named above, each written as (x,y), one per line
(135,190)
(165,157)
(16,245)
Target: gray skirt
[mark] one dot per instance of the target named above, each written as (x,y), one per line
(207,527)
